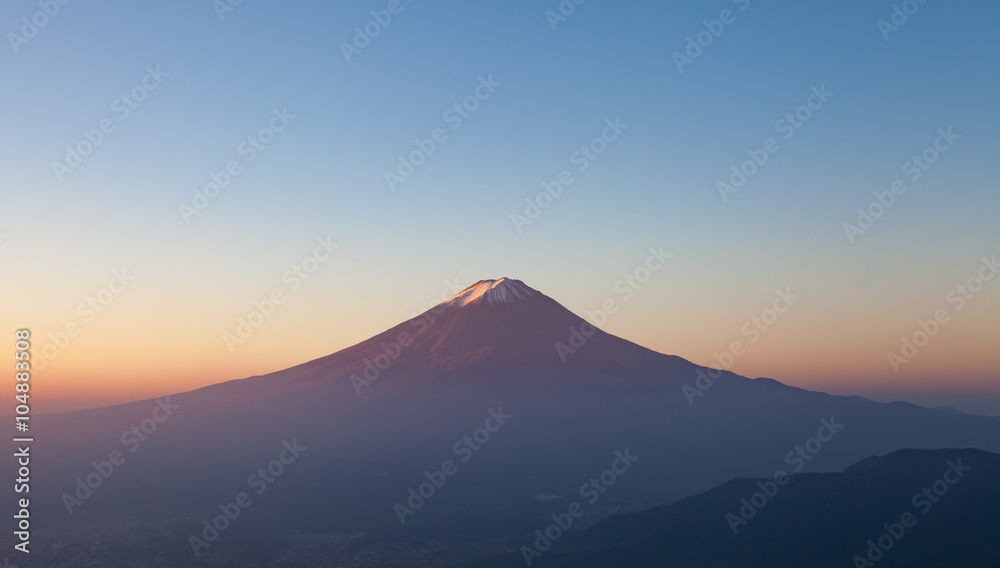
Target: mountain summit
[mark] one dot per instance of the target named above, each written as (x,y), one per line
(492,292)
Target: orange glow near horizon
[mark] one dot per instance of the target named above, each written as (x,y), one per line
(113,364)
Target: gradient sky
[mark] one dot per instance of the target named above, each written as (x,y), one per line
(451,221)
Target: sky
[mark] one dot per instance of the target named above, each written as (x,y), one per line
(343,153)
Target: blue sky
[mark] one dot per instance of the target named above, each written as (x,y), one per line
(654,186)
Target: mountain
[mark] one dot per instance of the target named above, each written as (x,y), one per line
(911,508)
(524,399)
(496,325)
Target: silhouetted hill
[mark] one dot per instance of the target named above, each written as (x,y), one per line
(812,520)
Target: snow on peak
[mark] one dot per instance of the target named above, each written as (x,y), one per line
(492,292)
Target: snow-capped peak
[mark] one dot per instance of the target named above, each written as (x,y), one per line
(492,292)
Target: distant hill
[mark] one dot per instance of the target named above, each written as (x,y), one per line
(814,520)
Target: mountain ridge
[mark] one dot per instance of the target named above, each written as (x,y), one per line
(812,520)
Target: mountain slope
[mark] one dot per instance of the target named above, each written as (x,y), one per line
(501,324)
